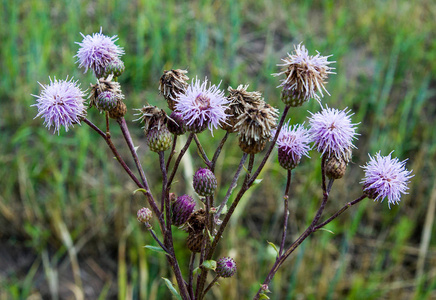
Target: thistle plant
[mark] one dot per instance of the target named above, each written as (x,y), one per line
(259,128)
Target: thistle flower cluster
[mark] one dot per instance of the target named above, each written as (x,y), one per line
(199,105)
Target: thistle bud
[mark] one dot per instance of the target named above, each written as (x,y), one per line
(144,215)
(115,67)
(106,101)
(182,209)
(225,267)
(159,139)
(204,182)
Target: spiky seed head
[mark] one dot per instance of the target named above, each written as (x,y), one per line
(152,116)
(159,139)
(182,209)
(225,267)
(197,221)
(255,127)
(205,182)
(240,100)
(305,76)
(176,125)
(171,84)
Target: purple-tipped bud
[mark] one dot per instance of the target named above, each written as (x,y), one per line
(106,101)
(144,215)
(159,139)
(115,67)
(225,267)
(176,125)
(182,209)
(204,182)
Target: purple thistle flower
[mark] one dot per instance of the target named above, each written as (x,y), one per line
(97,51)
(385,177)
(61,103)
(293,143)
(225,267)
(202,106)
(332,132)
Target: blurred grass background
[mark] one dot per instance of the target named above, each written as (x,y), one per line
(67,213)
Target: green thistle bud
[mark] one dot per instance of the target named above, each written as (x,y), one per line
(159,138)
(115,67)
(106,101)
(225,267)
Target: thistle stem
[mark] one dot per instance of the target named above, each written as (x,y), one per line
(210,286)
(286,211)
(218,151)
(202,152)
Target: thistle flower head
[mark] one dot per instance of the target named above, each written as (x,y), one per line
(293,143)
(204,182)
(144,215)
(202,106)
(173,83)
(225,267)
(152,116)
(305,76)
(240,100)
(385,177)
(255,127)
(332,132)
(97,51)
(181,209)
(105,85)
(61,103)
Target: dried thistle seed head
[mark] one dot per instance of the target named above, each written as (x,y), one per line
(152,116)
(119,111)
(240,100)
(172,84)
(194,241)
(104,85)
(255,127)
(196,221)
(305,76)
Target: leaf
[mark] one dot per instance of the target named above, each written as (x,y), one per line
(172,288)
(139,190)
(326,230)
(154,248)
(257,181)
(209,264)
(274,247)
(263,296)
(196,270)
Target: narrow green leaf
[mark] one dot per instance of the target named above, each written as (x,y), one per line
(257,181)
(263,296)
(172,288)
(326,230)
(196,270)
(154,248)
(139,190)
(274,247)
